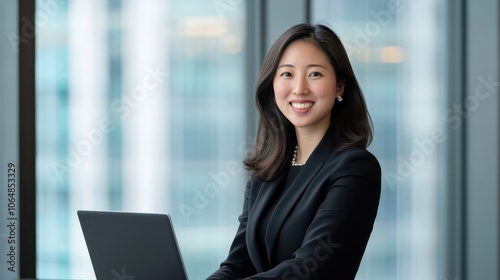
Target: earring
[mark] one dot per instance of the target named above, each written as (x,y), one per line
(339,98)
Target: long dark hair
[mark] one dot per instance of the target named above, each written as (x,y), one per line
(350,125)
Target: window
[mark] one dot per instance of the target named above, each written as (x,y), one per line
(144,108)
(140,107)
(398,50)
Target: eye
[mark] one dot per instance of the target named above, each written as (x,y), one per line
(286,74)
(315,74)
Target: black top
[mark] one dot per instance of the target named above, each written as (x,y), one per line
(264,224)
(318,229)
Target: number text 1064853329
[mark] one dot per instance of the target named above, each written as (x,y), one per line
(11,217)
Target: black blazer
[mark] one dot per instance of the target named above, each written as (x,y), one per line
(321,225)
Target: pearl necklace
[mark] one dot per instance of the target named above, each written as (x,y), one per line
(295,157)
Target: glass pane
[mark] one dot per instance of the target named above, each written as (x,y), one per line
(397,50)
(140,107)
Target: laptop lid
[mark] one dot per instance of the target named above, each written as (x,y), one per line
(127,246)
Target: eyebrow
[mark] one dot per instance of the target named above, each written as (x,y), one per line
(308,66)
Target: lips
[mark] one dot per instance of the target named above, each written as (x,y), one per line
(301,106)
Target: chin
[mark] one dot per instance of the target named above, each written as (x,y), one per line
(300,124)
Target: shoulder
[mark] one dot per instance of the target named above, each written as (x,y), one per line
(354,154)
(354,161)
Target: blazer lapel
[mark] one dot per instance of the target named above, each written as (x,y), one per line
(285,205)
(262,203)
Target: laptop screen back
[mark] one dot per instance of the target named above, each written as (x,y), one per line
(132,245)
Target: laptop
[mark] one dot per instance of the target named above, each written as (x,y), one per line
(128,246)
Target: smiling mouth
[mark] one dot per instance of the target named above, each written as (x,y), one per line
(301,105)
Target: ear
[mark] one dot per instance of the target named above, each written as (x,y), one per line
(340,88)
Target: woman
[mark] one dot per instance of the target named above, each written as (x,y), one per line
(313,195)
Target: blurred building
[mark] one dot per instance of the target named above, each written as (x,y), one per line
(147,106)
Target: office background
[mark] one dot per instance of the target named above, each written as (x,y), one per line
(148,106)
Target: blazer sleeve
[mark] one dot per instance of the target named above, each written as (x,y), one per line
(335,240)
(238,264)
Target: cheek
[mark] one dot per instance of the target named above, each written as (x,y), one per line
(280,96)
(280,90)
(327,97)
(326,91)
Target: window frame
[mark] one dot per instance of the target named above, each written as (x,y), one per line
(27,142)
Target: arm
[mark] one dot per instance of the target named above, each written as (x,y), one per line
(238,264)
(336,238)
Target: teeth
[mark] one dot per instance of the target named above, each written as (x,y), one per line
(302,105)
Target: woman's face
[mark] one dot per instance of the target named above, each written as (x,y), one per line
(305,86)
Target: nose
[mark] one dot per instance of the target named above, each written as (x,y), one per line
(301,86)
